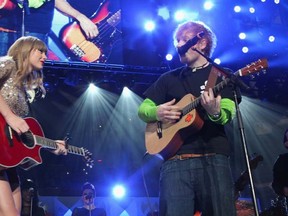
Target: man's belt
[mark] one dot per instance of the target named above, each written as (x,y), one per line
(187,156)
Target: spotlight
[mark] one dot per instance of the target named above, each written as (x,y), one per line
(149,26)
(245,49)
(237,9)
(208,5)
(252,10)
(119,191)
(242,35)
(169,57)
(92,87)
(271,38)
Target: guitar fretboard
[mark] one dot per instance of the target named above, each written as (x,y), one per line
(51,144)
(216,89)
(114,19)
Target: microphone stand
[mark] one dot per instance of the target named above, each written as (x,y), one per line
(25,10)
(31,205)
(241,84)
(23,19)
(90,209)
(90,206)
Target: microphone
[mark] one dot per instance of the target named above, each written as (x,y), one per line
(183,49)
(25,5)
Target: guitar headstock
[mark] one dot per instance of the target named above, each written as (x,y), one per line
(88,158)
(254,67)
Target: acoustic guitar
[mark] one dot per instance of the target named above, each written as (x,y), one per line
(74,39)
(164,139)
(24,150)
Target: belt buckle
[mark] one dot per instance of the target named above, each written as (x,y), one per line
(180,157)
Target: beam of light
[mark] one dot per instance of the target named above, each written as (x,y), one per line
(264,127)
(126,91)
(92,88)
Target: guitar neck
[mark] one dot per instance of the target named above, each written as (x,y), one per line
(114,19)
(51,144)
(216,89)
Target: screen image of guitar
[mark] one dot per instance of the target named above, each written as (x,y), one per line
(24,150)
(92,50)
(164,139)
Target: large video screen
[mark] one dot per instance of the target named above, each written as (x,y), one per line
(68,42)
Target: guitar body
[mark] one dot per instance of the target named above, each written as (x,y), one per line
(74,39)
(16,153)
(173,135)
(76,42)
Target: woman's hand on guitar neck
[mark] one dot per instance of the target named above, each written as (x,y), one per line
(168,112)
(61,148)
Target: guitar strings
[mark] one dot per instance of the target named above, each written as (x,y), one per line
(105,29)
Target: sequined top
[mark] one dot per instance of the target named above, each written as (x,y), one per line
(14,96)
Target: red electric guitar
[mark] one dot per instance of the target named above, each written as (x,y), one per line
(24,150)
(165,139)
(92,50)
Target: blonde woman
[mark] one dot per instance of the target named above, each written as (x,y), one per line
(20,71)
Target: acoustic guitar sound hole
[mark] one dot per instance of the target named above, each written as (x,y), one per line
(27,139)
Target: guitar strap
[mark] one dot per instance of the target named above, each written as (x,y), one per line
(212,78)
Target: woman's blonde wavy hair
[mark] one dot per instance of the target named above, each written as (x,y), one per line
(20,53)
